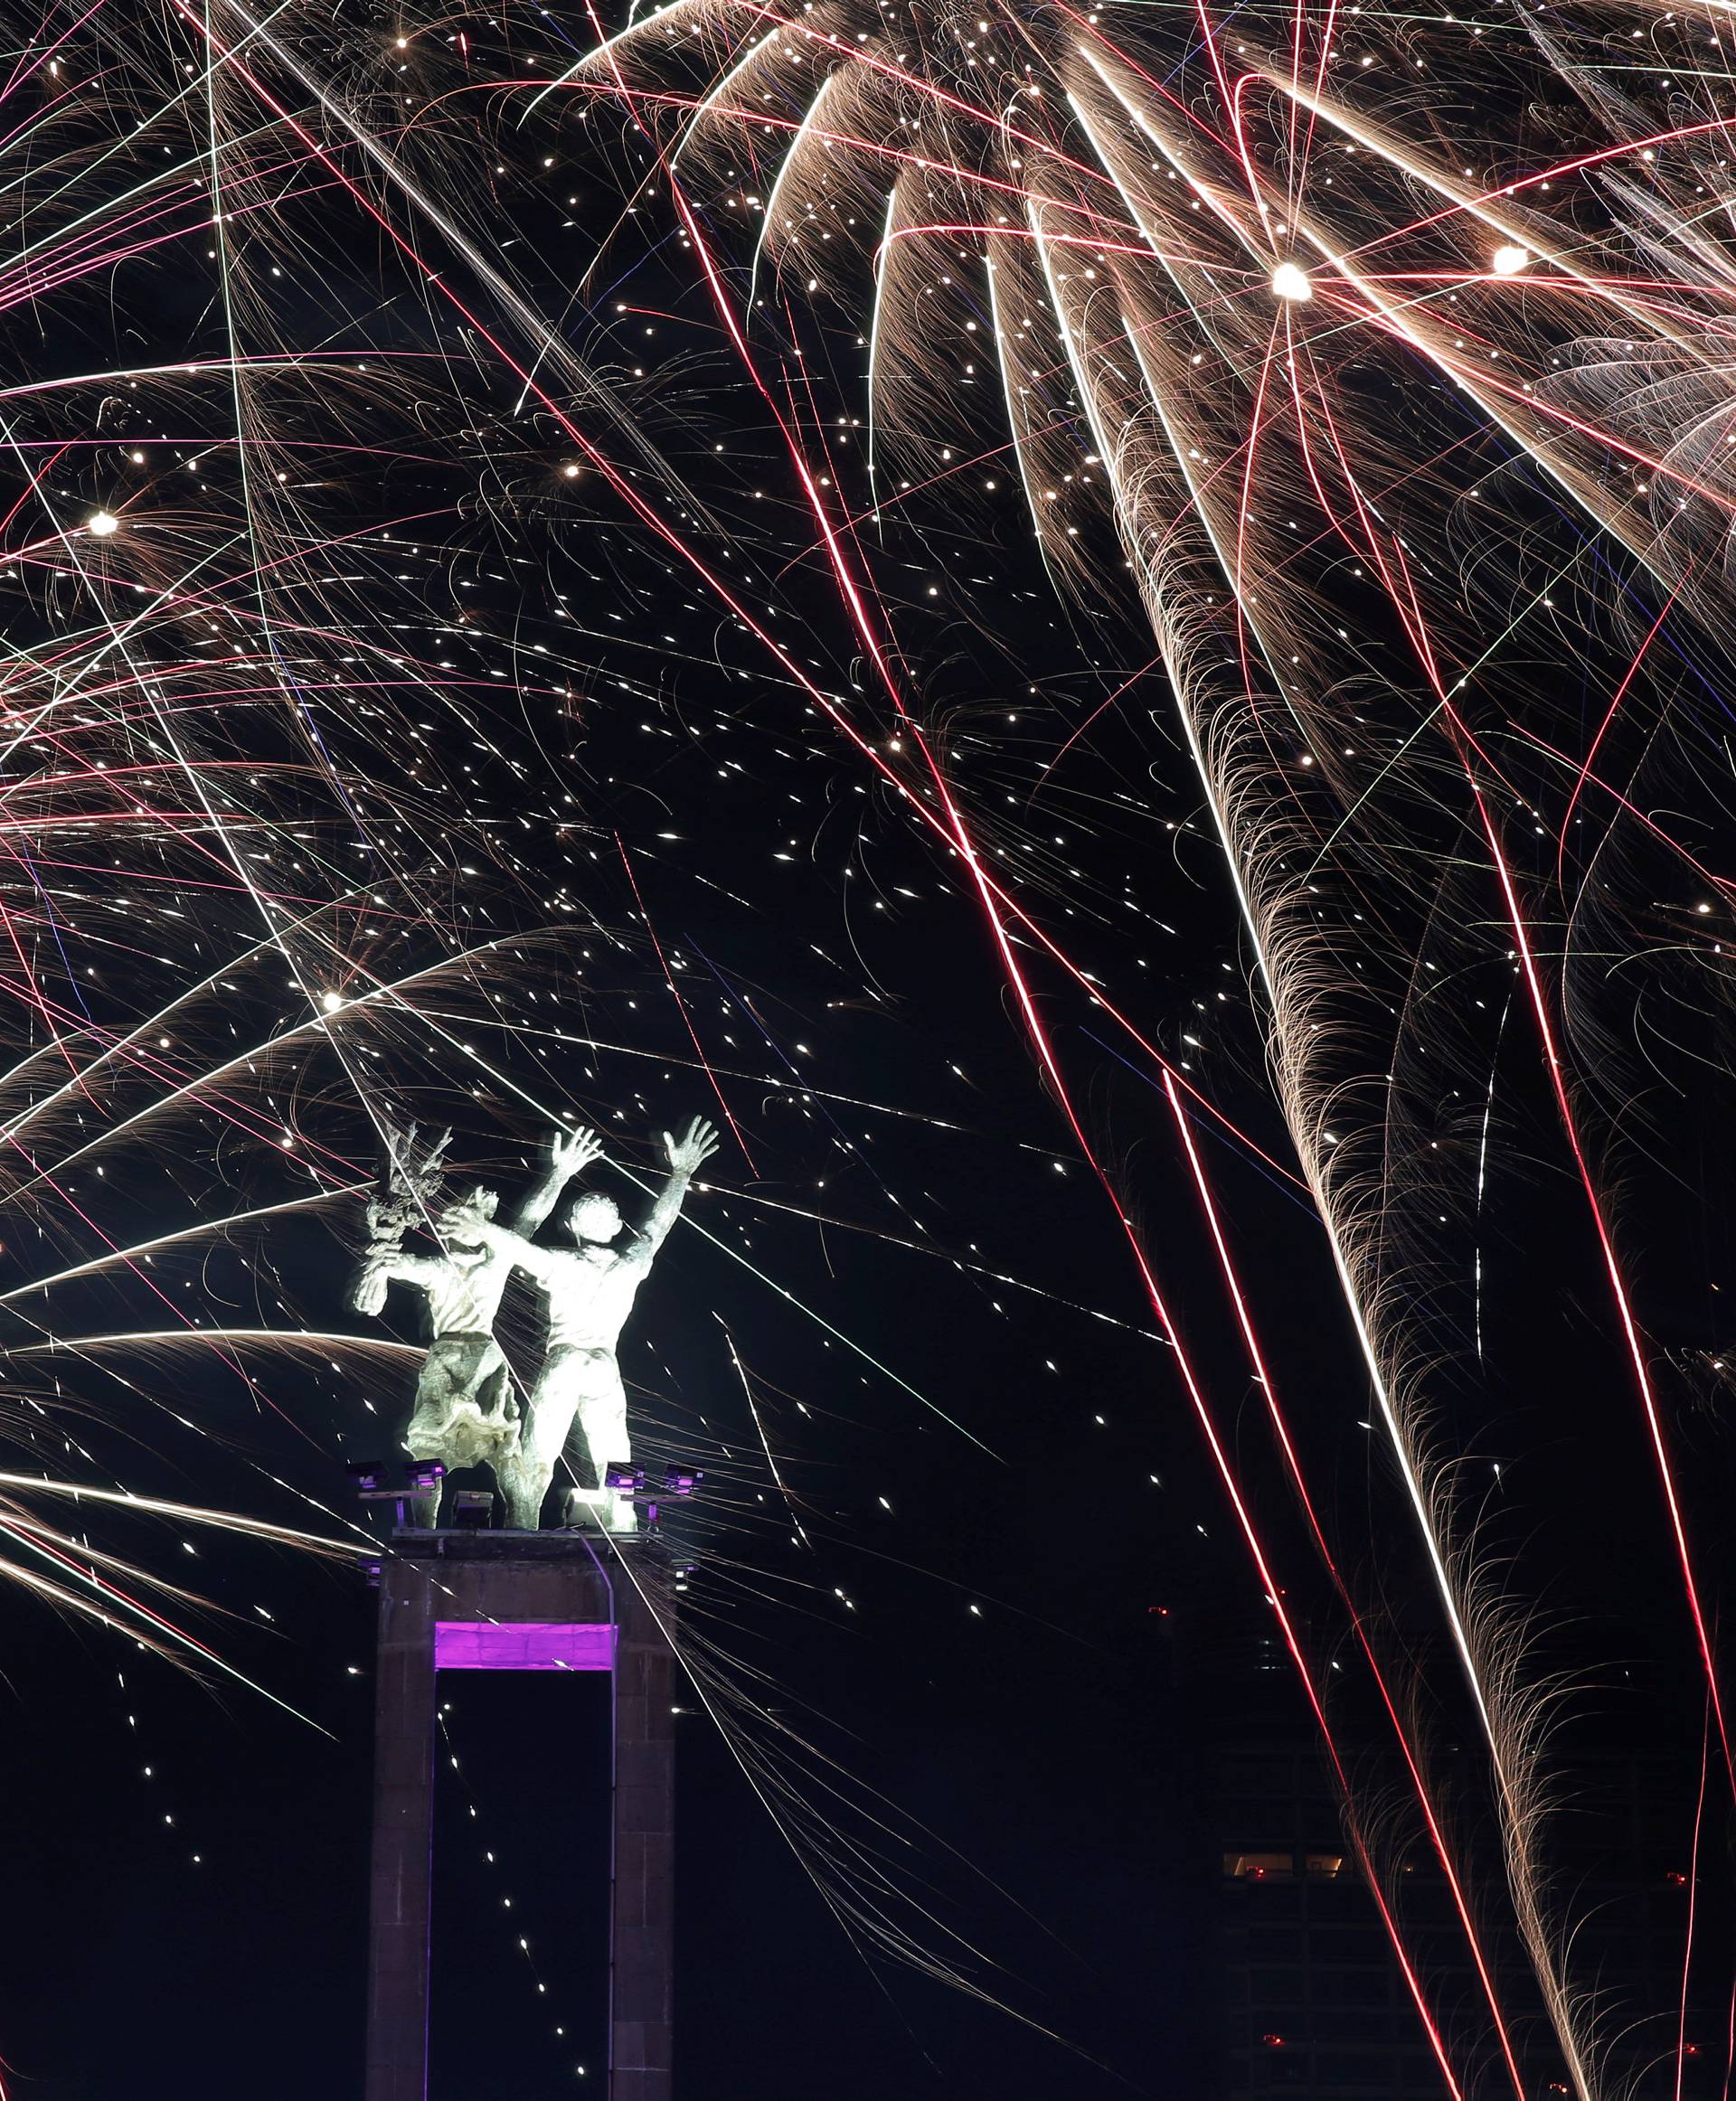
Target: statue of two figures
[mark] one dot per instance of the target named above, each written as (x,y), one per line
(467,1410)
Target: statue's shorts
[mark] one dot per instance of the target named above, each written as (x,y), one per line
(464,1414)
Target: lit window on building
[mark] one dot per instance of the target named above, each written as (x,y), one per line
(1259,1867)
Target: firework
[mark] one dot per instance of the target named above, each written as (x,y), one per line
(1364,404)
(1374,363)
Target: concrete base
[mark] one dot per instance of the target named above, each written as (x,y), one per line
(503,1580)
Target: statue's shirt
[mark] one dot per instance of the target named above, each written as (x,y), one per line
(463,1288)
(588,1300)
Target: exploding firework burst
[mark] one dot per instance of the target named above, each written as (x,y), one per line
(1378,363)
(294,447)
(1381,358)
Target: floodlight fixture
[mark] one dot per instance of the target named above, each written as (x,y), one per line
(623,1477)
(473,1510)
(683,1480)
(405,1487)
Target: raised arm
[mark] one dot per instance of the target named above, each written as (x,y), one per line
(468,1227)
(687,1154)
(402,1268)
(387,1263)
(570,1154)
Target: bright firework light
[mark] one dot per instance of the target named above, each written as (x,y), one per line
(1513,1775)
(1134,241)
(996,153)
(261,833)
(1293,1466)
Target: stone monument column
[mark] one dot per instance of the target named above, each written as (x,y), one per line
(512,1601)
(642,1928)
(400,1887)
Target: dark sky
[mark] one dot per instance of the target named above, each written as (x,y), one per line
(1034,1742)
(1030,1750)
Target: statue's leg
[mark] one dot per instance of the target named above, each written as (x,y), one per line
(522,1481)
(602,1415)
(509,1471)
(425,1437)
(509,1468)
(548,1417)
(494,1395)
(586,1464)
(586,1470)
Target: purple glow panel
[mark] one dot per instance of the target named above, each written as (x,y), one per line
(523,1645)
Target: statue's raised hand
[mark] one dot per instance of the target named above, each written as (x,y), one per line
(571,1152)
(696,1146)
(469,1220)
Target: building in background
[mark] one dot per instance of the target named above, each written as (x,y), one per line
(1299,1990)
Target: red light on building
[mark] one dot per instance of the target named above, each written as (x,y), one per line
(1273,2042)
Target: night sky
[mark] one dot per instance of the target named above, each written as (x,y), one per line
(948,1633)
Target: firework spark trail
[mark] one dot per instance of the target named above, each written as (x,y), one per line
(1508,1731)
(128,748)
(966,848)
(1617,1283)
(77,1562)
(1514,1764)
(1272,1590)
(1293,1466)
(765,1445)
(1694,1902)
(1243,780)
(106,1058)
(1467,745)
(990,890)
(1521,1818)
(1248,164)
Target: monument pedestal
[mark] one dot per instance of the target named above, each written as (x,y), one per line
(518,1601)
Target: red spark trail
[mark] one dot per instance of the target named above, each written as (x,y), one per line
(1693,1895)
(1412,619)
(1610,715)
(1294,1465)
(1629,1328)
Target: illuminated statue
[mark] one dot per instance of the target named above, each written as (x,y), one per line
(590,1289)
(465,1414)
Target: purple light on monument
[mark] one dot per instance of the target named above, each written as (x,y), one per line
(523,1645)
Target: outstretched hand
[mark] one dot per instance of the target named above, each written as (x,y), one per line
(696,1146)
(571,1152)
(464,1222)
